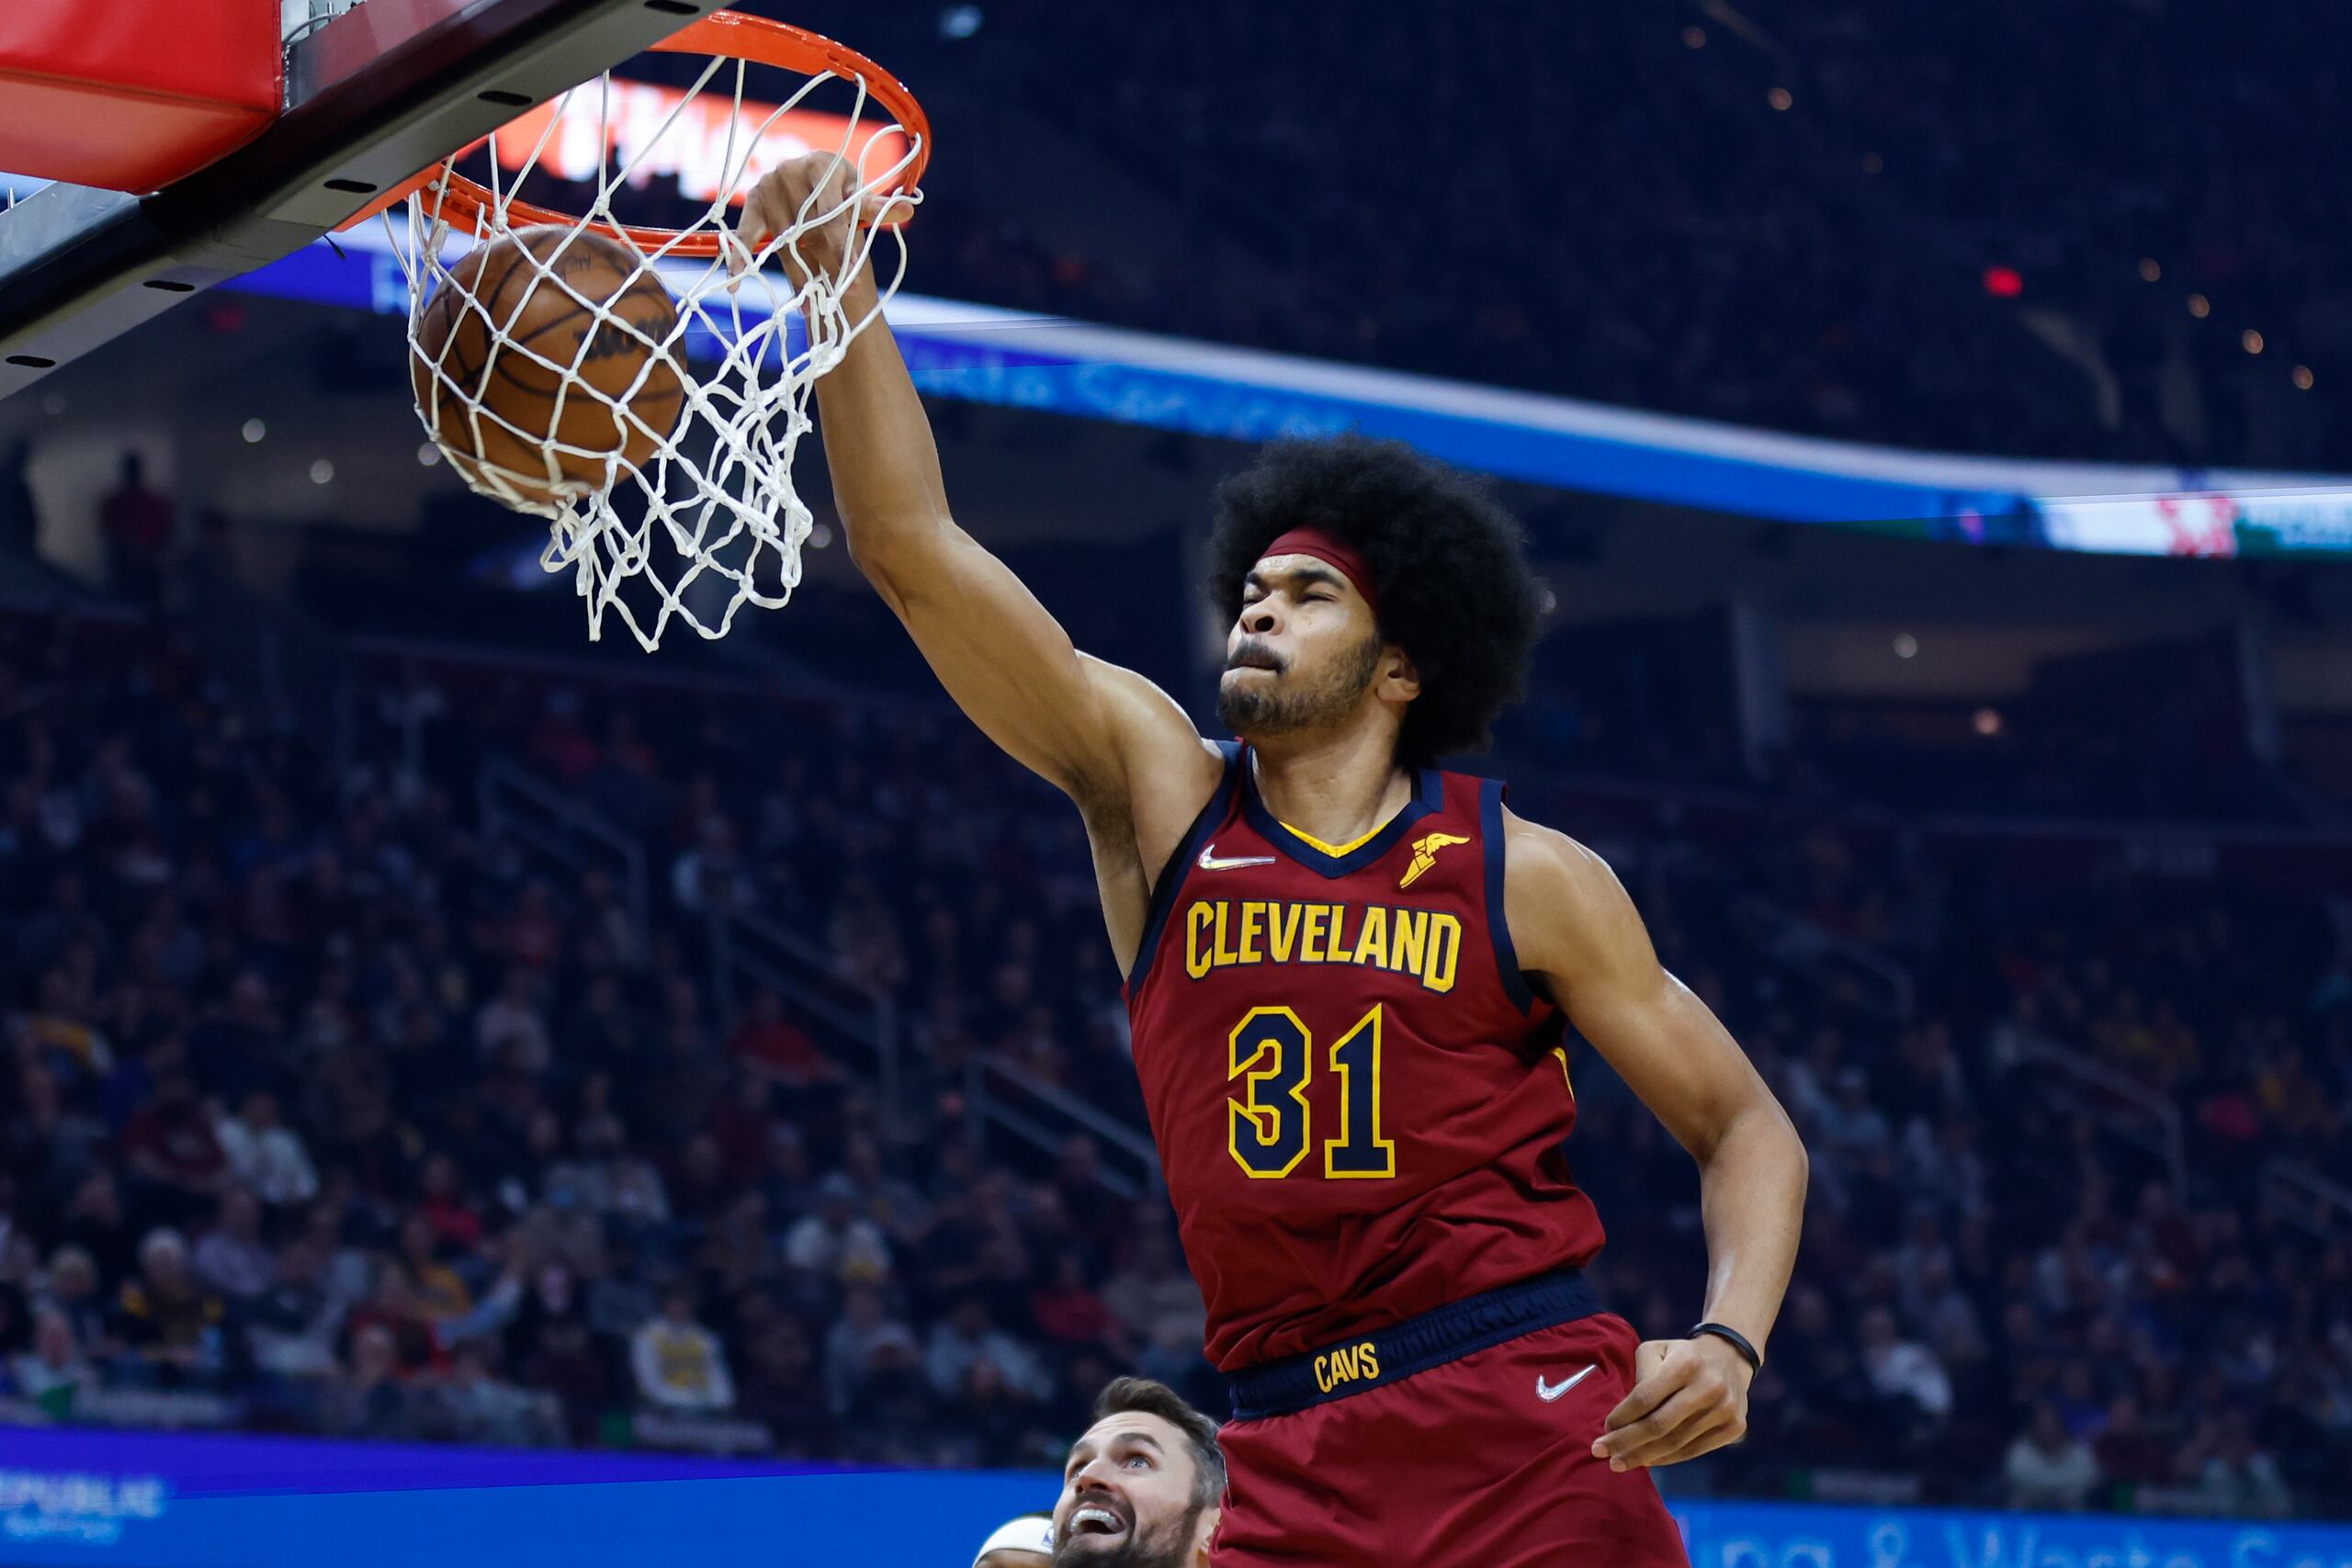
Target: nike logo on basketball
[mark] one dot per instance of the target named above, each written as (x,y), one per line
(1548,1392)
(1209,862)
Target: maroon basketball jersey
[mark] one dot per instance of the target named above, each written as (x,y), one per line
(1358,1101)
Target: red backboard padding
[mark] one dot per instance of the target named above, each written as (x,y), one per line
(131,94)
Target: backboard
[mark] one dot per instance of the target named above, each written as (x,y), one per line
(371,97)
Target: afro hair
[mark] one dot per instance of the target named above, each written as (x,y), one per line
(1449,569)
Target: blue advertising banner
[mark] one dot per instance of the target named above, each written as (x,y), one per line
(147,1500)
(1012,358)
(1763,1535)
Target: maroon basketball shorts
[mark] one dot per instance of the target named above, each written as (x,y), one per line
(1461,1438)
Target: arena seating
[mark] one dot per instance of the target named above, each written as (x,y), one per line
(1782,215)
(336,1104)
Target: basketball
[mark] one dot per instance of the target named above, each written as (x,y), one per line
(518,319)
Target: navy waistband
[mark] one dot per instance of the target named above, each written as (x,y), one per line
(1392,1354)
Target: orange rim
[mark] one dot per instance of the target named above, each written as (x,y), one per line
(726,35)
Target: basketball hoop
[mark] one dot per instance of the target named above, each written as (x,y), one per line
(711,520)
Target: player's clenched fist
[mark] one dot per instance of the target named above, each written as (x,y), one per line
(821,191)
(1689,1397)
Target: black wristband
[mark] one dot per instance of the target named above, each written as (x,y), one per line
(1738,1342)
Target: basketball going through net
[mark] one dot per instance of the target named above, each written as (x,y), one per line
(644,389)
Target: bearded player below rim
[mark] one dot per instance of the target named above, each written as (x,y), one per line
(1350,978)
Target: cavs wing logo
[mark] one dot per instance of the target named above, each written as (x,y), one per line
(1425,850)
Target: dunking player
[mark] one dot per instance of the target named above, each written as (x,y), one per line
(1350,975)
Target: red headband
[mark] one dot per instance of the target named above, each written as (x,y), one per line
(1331,552)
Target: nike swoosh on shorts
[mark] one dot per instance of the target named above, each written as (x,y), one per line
(1548,1392)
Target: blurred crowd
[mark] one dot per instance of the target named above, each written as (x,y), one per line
(1780,215)
(1777,217)
(2055,1255)
(2086,232)
(332,1107)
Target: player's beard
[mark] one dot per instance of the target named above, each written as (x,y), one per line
(1264,708)
(1167,1547)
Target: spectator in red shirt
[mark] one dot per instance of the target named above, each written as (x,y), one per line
(779,1050)
(558,744)
(743,1125)
(565,1362)
(1098,1212)
(533,934)
(454,1223)
(1068,1310)
(392,1307)
(2128,1452)
(171,1151)
(136,526)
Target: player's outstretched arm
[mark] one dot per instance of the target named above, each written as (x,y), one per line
(1106,735)
(1575,927)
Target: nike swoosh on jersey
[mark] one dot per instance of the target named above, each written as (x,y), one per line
(1209,862)
(1548,1392)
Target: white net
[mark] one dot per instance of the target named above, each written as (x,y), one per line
(657,442)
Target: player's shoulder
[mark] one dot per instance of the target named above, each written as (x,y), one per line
(1158,750)
(1159,771)
(1549,861)
(1560,895)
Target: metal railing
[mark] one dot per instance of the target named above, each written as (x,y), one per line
(744,946)
(2127,1108)
(999,1093)
(526,809)
(2296,1193)
(748,946)
(1866,978)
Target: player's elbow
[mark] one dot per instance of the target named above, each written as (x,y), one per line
(881,559)
(1788,1146)
(1800,1157)
(893,553)
(871,549)
(1757,1127)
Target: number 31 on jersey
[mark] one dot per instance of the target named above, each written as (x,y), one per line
(1271,1122)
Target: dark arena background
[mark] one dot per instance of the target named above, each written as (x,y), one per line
(474,1094)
